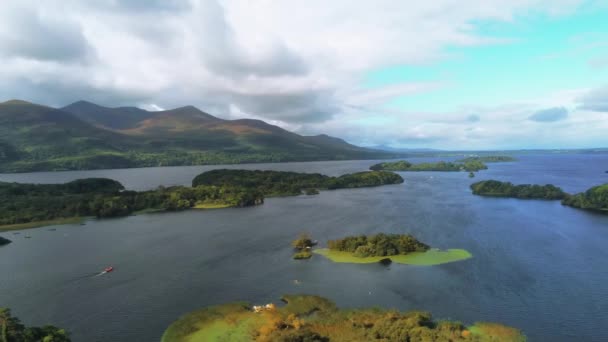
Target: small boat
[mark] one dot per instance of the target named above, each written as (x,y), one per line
(108,269)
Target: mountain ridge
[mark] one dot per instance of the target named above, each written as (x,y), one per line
(84,135)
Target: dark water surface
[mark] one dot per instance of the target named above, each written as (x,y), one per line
(537,265)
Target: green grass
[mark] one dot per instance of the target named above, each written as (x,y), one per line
(229,322)
(38,224)
(303,315)
(211,206)
(302,255)
(428,258)
(492,332)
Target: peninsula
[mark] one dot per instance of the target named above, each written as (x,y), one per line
(313,318)
(30,205)
(595,199)
(24,205)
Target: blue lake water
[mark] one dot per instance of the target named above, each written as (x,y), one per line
(537,265)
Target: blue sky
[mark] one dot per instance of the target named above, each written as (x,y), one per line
(447,74)
(540,54)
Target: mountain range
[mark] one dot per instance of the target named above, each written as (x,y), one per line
(84,135)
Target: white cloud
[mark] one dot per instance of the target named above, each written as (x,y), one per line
(296,63)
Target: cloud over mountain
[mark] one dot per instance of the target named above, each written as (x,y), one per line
(300,64)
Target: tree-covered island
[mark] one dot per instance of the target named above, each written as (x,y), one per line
(403,165)
(494,188)
(12,330)
(400,248)
(596,199)
(280,183)
(315,319)
(302,246)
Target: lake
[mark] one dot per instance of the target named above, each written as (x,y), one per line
(537,265)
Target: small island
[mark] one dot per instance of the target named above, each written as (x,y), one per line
(4,241)
(494,188)
(594,199)
(312,318)
(387,248)
(488,159)
(281,183)
(303,245)
(403,165)
(12,330)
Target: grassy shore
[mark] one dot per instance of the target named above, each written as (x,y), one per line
(312,318)
(212,206)
(428,258)
(38,224)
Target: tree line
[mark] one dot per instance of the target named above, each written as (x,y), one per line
(12,330)
(101,197)
(378,245)
(280,183)
(595,198)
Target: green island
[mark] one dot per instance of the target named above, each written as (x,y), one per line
(595,199)
(11,330)
(494,188)
(303,245)
(315,319)
(281,183)
(488,159)
(4,241)
(386,248)
(33,205)
(403,165)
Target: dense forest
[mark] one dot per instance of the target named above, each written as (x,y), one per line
(524,191)
(378,245)
(403,165)
(595,199)
(279,183)
(99,197)
(488,159)
(11,330)
(316,319)
(4,241)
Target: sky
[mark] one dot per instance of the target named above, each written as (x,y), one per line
(447,74)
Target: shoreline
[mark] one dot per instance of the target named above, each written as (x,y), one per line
(40,224)
(431,257)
